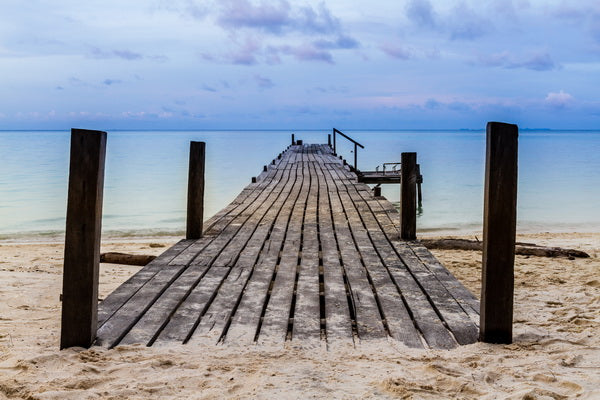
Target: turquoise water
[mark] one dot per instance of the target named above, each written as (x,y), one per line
(146,176)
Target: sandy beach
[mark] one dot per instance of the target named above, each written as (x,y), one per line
(555,354)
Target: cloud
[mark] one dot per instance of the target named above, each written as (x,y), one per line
(307,52)
(246,53)
(127,55)
(464,23)
(262,82)
(421,13)
(207,88)
(396,51)
(537,61)
(342,42)
(558,99)
(109,82)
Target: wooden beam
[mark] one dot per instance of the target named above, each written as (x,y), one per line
(195,205)
(499,228)
(408,197)
(82,239)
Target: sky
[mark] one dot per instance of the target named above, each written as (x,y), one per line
(282,64)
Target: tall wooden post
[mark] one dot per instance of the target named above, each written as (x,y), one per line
(355,156)
(408,196)
(499,229)
(195,204)
(79,318)
(293,140)
(329,139)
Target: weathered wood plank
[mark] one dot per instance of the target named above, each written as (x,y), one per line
(123,293)
(217,318)
(307,314)
(245,322)
(274,327)
(368,319)
(397,317)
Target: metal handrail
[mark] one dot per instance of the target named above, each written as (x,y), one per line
(335,131)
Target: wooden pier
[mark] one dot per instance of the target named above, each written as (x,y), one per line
(305,254)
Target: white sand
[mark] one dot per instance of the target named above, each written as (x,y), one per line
(556,353)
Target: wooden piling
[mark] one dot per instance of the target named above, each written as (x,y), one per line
(408,196)
(329,139)
(499,229)
(419,182)
(264,168)
(377,191)
(293,141)
(82,239)
(195,205)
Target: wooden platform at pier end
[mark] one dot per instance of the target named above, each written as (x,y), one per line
(306,254)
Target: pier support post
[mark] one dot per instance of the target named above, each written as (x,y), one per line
(195,204)
(293,140)
(408,196)
(499,229)
(329,139)
(79,317)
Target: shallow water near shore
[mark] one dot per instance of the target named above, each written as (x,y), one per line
(146,177)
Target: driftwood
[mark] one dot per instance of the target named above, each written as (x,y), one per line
(127,259)
(525,249)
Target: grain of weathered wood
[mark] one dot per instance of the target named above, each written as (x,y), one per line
(244,325)
(379,258)
(499,229)
(307,315)
(368,319)
(304,254)
(123,293)
(82,238)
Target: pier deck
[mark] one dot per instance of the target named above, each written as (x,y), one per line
(306,254)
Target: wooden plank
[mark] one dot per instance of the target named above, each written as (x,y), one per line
(129,314)
(151,323)
(82,239)
(123,293)
(499,229)
(186,316)
(443,305)
(338,322)
(245,322)
(195,200)
(217,318)
(307,314)
(116,327)
(367,234)
(368,321)
(274,327)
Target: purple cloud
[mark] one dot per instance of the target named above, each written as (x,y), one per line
(539,61)
(277,17)
(396,51)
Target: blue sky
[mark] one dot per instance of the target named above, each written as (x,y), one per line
(278,64)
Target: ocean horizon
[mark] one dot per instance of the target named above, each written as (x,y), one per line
(146,177)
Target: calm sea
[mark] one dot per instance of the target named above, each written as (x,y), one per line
(146,177)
